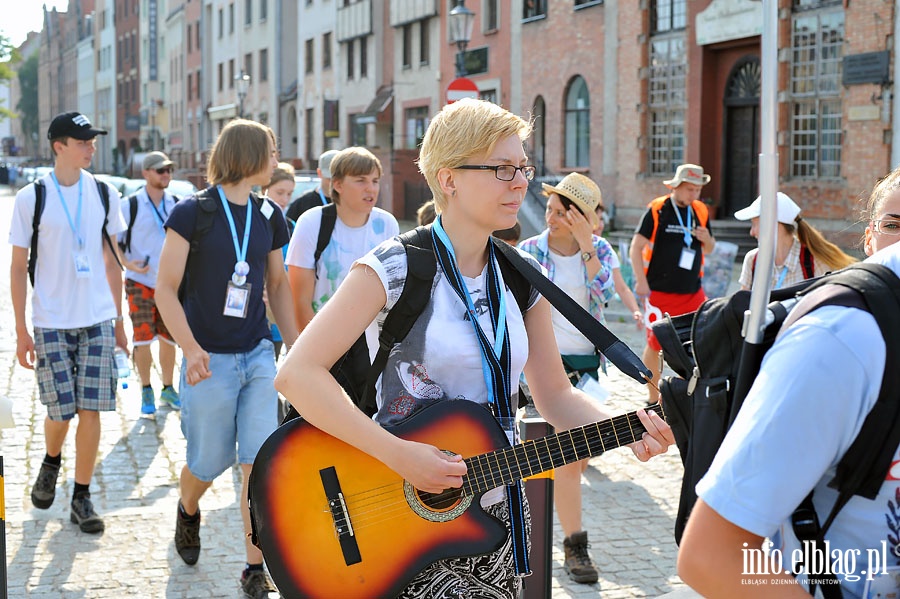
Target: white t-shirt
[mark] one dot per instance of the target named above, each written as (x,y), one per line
(347,245)
(815,388)
(60,299)
(147,234)
(568,275)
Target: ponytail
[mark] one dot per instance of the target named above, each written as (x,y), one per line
(823,251)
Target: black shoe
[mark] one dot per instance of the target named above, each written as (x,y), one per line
(578,563)
(187,536)
(256,585)
(84,516)
(44,490)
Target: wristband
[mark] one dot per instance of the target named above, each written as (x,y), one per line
(119,318)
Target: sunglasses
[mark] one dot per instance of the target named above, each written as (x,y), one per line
(163,171)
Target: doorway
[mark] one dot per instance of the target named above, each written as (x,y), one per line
(742,92)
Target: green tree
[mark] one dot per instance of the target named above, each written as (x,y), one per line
(28,102)
(8,58)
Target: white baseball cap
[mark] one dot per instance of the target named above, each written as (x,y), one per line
(787,209)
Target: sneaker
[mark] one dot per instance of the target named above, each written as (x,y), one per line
(187,536)
(84,516)
(148,401)
(169,396)
(256,585)
(578,562)
(44,490)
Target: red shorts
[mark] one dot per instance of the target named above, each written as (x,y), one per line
(673,304)
(148,324)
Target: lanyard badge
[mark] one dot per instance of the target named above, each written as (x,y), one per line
(237,291)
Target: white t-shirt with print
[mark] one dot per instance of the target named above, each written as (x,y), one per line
(347,245)
(568,275)
(816,386)
(60,299)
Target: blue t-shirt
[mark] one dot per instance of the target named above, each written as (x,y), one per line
(209,269)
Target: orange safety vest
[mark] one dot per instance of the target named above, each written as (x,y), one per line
(655,206)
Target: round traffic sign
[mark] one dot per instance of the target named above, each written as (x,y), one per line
(460,88)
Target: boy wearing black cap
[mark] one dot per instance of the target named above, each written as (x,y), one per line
(76,305)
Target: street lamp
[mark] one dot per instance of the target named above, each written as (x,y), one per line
(243,82)
(461,21)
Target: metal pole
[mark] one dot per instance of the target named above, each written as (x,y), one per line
(768,175)
(3,577)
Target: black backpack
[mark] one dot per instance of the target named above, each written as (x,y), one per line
(40,194)
(125,244)
(354,371)
(705,348)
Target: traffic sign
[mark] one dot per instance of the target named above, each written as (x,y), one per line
(460,88)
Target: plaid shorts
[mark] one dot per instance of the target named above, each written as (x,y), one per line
(148,324)
(75,369)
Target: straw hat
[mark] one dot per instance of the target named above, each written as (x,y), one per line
(688,173)
(583,192)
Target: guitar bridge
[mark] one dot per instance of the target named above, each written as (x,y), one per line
(343,527)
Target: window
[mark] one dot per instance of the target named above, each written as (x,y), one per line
(667,15)
(586,2)
(534,9)
(231,74)
(231,18)
(363,57)
(221,76)
(489,95)
(667,104)
(326,51)
(264,64)
(308,129)
(309,57)
(248,12)
(491,19)
(816,125)
(424,41)
(189,40)
(578,124)
(221,22)
(197,34)
(263,10)
(407,46)
(248,64)
(416,124)
(357,131)
(350,65)
(189,88)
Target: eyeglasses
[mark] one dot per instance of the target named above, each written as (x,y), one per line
(504,172)
(887,226)
(163,171)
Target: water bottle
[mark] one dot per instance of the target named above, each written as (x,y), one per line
(123,366)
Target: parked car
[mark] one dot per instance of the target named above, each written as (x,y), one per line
(304,183)
(179,187)
(117,182)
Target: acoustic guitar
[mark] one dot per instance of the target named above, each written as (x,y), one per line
(332,521)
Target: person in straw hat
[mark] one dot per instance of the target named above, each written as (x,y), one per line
(581,264)
(667,254)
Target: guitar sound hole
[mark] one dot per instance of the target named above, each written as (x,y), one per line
(440,501)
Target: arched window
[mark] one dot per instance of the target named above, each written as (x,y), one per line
(539,114)
(578,124)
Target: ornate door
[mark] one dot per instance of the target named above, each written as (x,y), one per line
(741,170)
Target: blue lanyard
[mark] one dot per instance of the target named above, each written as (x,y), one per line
(322,195)
(240,252)
(500,333)
(162,204)
(781,277)
(687,230)
(76,225)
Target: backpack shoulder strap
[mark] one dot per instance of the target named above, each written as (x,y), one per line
(807,262)
(132,216)
(103,190)
(208,205)
(39,200)
(515,280)
(421,268)
(326,228)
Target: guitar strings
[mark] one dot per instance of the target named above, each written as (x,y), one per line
(387,502)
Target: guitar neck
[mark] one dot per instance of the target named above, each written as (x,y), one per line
(508,465)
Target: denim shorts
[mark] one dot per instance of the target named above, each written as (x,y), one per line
(238,404)
(75,369)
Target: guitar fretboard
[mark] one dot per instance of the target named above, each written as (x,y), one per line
(506,466)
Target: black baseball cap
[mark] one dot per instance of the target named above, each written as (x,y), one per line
(73,124)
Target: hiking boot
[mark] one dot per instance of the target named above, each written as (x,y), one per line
(44,490)
(169,397)
(578,562)
(187,536)
(148,401)
(256,585)
(84,516)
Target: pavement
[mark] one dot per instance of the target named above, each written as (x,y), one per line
(629,506)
